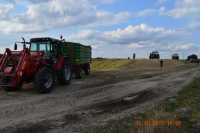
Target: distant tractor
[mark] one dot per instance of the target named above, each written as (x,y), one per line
(175,57)
(43,61)
(193,58)
(154,55)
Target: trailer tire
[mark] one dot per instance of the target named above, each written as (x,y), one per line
(44,80)
(65,75)
(78,72)
(86,69)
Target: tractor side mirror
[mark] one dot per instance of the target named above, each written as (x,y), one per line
(15,47)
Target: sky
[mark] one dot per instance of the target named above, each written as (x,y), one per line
(114,28)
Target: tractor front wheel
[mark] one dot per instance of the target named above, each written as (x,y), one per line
(44,80)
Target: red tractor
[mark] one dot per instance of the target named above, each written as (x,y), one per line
(41,61)
(1,56)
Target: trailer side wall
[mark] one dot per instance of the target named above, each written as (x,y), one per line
(77,53)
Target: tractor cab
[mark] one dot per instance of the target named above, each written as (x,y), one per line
(50,47)
(43,47)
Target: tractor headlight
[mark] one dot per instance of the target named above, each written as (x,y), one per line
(21,73)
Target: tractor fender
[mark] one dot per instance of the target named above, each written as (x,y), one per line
(59,63)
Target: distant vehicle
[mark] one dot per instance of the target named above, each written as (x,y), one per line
(175,57)
(154,55)
(99,58)
(193,58)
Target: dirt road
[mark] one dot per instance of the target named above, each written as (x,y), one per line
(75,108)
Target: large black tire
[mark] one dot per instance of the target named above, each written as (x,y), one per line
(44,80)
(78,71)
(65,75)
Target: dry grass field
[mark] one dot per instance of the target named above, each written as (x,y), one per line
(116,70)
(137,65)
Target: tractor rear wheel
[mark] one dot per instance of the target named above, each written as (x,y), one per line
(44,80)
(65,75)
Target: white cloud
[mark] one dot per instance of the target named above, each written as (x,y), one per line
(181,47)
(140,38)
(195,24)
(14,26)
(53,14)
(161,1)
(146,12)
(185,8)
(44,1)
(104,1)
(137,36)
(140,33)
(5,9)
(135,45)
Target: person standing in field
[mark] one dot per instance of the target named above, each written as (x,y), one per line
(161,63)
(134,56)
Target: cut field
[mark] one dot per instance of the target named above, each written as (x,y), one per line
(117,70)
(136,65)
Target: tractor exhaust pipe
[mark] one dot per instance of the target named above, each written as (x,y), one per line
(15,47)
(24,43)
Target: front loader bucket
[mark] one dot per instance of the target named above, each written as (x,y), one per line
(9,66)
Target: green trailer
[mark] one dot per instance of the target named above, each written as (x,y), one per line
(80,57)
(77,55)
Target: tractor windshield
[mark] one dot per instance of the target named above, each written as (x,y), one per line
(40,46)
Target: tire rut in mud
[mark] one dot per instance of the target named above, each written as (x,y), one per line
(124,103)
